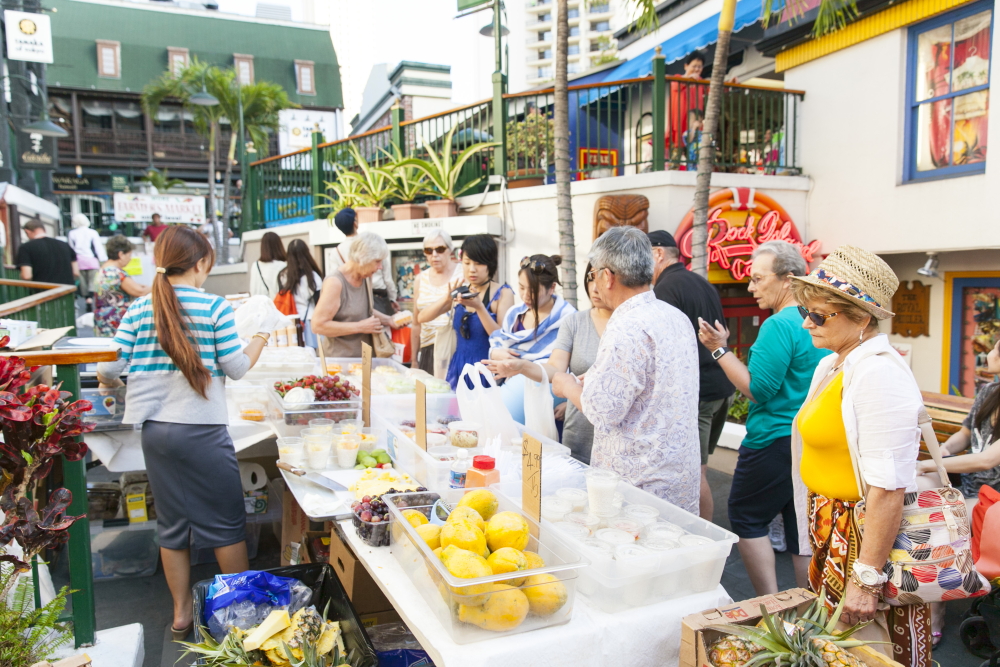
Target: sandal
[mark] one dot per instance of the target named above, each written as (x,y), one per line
(181,635)
(936,639)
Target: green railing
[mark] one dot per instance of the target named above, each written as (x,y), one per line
(50,305)
(617,128)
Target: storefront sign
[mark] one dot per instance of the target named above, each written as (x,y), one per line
(295,128)
(29,36)
(68,182)
(36,152)
(739,220)
(599,161)
(172,208)
(912,306)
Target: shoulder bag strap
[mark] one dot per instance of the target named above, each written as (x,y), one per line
(341,256)
(371,299)
(261,274)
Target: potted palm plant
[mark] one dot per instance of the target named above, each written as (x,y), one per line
(372,186)
(442,170)
(531,145)
(408,183)
(346,194)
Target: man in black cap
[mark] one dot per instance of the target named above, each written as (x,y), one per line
(695,297)
(383,285)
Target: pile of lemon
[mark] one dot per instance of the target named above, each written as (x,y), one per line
(477,541)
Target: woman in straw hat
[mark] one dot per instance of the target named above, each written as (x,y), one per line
(863,398)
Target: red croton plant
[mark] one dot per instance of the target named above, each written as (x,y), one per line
(38,424)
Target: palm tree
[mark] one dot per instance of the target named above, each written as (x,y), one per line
(646,21)
(832,15)
(161,181)
(262,101)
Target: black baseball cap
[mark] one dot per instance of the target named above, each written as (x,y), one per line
(662,239)
(344,220)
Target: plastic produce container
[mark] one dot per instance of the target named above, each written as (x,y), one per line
(327,590)
(442,590)
(121,549)
(283,363)
(695,566)
(293,417)
(108,408)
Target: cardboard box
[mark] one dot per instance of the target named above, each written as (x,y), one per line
(294,526)
(364,593)
(696,636)
(380,618)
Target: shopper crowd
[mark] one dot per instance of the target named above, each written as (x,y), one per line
(642,382)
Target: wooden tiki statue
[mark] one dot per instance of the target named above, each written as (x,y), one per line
(621,210)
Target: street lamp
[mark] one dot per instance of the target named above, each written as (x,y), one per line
(43,125)
(204,98)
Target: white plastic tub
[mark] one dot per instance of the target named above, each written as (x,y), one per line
(437,585)
(647,576)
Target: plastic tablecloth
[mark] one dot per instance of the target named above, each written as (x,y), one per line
(644,636)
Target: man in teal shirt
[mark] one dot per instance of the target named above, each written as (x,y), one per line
(779,371)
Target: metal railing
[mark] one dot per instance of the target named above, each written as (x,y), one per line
(51,305)
(617,128)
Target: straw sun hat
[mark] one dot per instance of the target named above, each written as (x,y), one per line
(859,275)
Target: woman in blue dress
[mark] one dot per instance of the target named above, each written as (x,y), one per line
(476,315)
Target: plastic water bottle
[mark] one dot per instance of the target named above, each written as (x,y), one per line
(459,469)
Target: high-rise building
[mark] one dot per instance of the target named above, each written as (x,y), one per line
(590,36)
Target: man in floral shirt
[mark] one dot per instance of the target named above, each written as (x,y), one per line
(641,394)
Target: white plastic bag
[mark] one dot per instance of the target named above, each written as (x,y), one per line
(538,406)
(485,406)
(254,313)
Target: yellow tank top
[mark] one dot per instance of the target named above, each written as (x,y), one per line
(826,459)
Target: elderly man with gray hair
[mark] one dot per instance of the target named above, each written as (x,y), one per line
(776,378)
(641,394)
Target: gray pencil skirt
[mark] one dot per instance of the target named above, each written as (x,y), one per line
(196,484)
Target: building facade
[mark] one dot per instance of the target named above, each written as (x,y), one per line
(106,51)
(591,38)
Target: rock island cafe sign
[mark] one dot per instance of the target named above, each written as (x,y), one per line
(739,220)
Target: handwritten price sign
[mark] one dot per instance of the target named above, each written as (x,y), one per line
(531,478)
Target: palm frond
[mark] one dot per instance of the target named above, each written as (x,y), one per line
(444,169)
(644,17)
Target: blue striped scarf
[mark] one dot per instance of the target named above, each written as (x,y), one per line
(532,344)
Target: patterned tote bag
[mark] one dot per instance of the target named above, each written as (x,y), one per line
(931,558)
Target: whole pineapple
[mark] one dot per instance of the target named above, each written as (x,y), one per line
(809,640)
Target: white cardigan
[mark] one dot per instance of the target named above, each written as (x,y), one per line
(881,407)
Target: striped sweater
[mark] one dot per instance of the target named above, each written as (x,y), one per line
(157,390)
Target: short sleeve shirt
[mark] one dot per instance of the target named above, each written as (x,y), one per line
(51,260)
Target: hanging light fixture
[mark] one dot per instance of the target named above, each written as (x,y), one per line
(930,267)
(487,30)
(45,127)
(204,98)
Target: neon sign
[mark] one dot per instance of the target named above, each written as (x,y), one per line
(739,220)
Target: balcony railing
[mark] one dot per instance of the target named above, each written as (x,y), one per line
(617,128)
(105,146)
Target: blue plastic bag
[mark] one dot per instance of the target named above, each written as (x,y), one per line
(244,600)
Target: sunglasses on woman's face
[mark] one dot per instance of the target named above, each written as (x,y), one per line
(818,319)
(440,250)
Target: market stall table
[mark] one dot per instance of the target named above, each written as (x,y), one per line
(649,635)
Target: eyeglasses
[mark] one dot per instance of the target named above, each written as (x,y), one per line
(440,250)
(818,319)
(756,279)
(592,274)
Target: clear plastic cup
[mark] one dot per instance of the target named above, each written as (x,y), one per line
(347,450)
(660,544)
(614,537)
(575,530)
(588,521)
(598,547)
(292,451)
(618,500)
(555,509)
(601,485)
(318,444)
(644,514)
(371,437)
(326,424)
(350,426)
(663,529)
(630,526)
(577,497)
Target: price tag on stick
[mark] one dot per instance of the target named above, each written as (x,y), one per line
(421,415)
(366,384)
(531,478)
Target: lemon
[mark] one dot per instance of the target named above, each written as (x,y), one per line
(464,535)
(467,514)
(508,560)
(414,517)
(507,529)
(546,594)
(482,501)
(431,534)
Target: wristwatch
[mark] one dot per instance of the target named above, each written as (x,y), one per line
(717,354)
(869,575)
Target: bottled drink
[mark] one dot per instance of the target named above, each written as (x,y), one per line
(459,469)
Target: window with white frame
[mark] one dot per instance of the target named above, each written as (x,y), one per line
(109,64)
(244,68)
(305,77)
(177,59)
(948,93)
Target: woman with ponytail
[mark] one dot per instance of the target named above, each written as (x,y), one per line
(180,344)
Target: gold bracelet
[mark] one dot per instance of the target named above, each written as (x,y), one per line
(263,337)
(874,591)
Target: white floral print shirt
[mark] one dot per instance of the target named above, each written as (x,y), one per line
(641,395)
